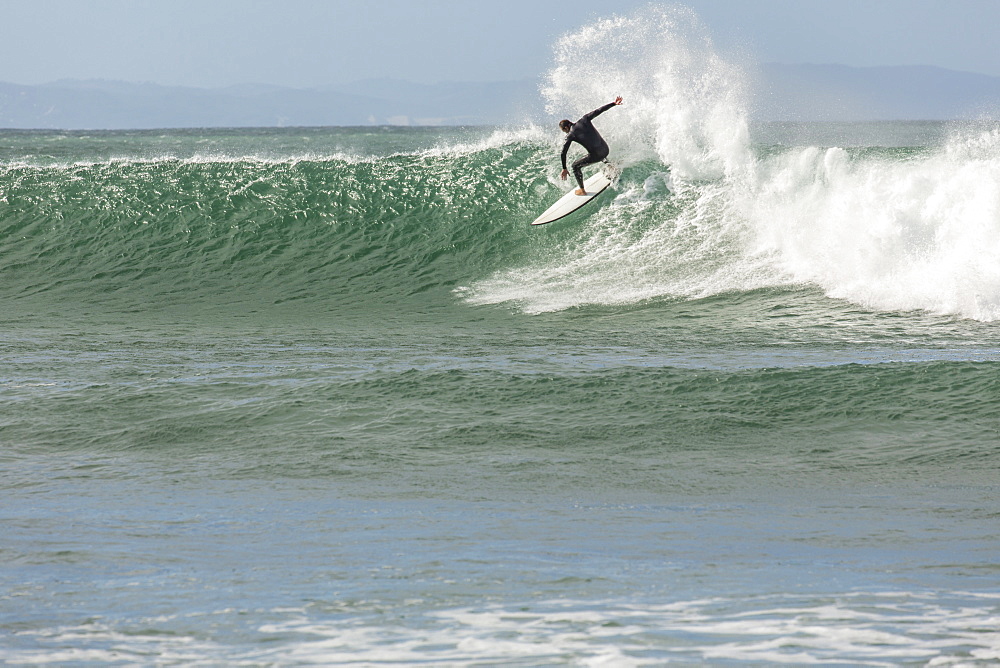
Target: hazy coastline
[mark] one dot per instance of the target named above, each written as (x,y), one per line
(780,92)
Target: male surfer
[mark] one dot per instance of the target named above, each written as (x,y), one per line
(586,135)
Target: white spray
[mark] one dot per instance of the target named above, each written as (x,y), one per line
(886,232)
(683,102)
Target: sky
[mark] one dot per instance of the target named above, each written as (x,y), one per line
(315,43)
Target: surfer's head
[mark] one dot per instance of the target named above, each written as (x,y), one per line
(565,125)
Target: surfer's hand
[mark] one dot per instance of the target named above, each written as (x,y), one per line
(564,174)
(618,100)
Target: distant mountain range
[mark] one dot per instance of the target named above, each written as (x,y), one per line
(783,92)
(841,93)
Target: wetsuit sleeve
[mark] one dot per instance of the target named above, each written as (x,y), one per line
(569,140)
(597,112)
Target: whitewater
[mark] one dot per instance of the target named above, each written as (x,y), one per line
(702,214)
(323,396)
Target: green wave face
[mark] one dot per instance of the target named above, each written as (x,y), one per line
(333,218)
(180,230)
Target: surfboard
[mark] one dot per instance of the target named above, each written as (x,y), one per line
(570,202)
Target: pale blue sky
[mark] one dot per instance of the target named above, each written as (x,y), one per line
(309,43)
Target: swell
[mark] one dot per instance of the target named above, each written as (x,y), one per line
(839,418)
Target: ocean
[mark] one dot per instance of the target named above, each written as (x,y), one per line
(323,396)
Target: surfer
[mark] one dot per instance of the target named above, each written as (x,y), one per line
(586,135)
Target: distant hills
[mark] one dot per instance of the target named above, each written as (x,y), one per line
(783,92)
(841,93)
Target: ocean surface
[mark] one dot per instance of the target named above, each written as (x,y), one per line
(324,396)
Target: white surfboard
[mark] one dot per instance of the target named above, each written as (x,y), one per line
(570,202)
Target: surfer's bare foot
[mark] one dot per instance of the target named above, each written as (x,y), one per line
(581,191)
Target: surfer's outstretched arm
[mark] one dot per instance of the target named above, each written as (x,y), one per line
(600,110)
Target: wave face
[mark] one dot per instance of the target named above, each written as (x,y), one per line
(331,217)
(885,228)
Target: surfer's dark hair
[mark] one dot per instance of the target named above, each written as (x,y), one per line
(565,125)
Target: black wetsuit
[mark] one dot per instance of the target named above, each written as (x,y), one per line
(586,135)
